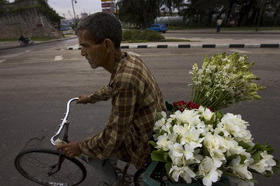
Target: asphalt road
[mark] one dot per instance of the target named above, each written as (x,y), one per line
(223,35)
(236,37)
(35,84)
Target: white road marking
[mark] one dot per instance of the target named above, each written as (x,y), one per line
(58,58)
(134,53)
(240,51)
(2,60)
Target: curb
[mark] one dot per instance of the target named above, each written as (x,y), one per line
(272,45)
(50,41)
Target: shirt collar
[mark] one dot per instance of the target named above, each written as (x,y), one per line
(116,68)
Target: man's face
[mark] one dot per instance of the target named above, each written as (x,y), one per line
(94,53)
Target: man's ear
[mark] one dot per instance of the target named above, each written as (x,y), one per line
(109,45)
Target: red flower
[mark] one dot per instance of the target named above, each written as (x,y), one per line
(181,105)
(192,105)
(212,110)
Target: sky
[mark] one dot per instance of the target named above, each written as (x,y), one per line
(64,7)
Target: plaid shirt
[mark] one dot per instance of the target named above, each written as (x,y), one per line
(136,99)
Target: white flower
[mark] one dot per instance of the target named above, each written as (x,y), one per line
(163,142)
(265,164)
(179,129)
(166,127)
(192,135)
(215,145)
(237,127)
(241,58)
(188,151)
(163,114)
(208,168)
(185,172)
(159,123)
(187,117)
(176,153)
(241,169)
(206,113)
(233,148)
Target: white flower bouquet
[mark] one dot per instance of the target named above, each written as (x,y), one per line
(200,146)
(224,80)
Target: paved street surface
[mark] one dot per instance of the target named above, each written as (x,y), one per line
(36,82)
(236,37)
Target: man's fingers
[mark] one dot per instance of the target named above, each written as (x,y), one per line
(84,99)
(62,146)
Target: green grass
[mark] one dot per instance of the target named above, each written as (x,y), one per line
(142,36)
(251,28)
(177,40)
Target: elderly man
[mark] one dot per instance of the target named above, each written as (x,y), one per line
(135,95)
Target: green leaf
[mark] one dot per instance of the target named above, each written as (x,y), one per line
(169,106)
(168,167)
(174,122)
(267,147)
(171,129)
(158,116)
(159,155)
(178,139)
(243,158)
(166,157)
(276,168)
(219,116)
(205,151)
(232,157)
(257,157)
(153,143)
(245,146)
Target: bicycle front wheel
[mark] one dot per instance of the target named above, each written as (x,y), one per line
(37,165)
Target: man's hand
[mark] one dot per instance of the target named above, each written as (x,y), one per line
(84,99)
(71,149)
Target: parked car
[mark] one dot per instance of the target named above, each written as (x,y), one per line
(65,27)
(158,27)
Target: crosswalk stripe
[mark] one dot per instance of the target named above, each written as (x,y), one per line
(58,58)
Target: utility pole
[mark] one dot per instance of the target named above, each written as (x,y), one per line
(72,1)
(75,19)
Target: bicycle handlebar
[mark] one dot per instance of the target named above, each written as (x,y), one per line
(64,121)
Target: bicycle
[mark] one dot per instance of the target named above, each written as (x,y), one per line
(52,167)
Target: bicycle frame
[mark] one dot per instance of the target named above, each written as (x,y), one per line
(55,140)
(63,126)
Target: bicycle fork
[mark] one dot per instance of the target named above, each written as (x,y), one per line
(56,167)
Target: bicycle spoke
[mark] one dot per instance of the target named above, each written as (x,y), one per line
(45,167)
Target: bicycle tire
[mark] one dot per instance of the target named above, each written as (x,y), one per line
(34,164)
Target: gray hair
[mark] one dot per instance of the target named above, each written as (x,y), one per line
(101,26)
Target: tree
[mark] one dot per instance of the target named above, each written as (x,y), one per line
(275,7)
(202,11)
(2,2)
(139,12)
